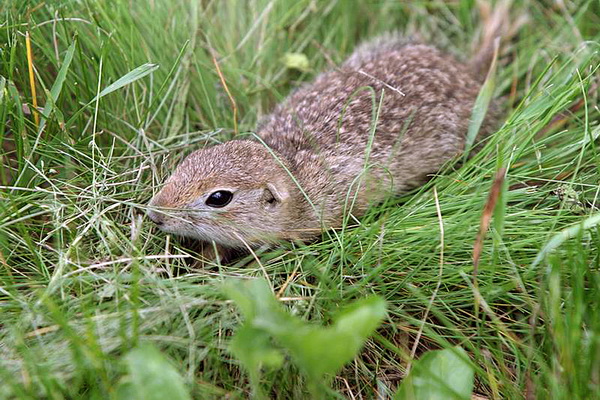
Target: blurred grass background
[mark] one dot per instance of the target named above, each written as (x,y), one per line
(84,278)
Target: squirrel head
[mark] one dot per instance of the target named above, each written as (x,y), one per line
(236,194)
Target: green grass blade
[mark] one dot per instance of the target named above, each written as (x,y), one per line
(482,103)
(564,235)
(58,84)
(127,79)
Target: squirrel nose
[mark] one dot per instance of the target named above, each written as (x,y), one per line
(156,217)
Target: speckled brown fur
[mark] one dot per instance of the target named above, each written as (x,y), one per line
(404,104)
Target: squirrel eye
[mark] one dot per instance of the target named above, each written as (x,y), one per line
(219,199)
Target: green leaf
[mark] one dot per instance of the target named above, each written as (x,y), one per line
(125,391)
(362,317)
(153,377)
(58,84)
(297,61)
(127,79)
(325,350)
(254,349)
(317,350)
(440,374)
(257,303)
(56,89)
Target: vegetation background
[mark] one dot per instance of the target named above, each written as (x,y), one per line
(84,277)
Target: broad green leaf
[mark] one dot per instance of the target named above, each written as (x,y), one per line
(320,351)
(153,377)
(317,350)
(127,79)
(125,390)
(362,317)
(256,302)
(324,350)
(439,374)
(254,349)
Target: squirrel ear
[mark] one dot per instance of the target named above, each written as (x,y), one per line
(274,194)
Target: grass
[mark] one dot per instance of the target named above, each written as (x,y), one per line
(84,277)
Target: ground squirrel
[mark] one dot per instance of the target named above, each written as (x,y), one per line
(390,116)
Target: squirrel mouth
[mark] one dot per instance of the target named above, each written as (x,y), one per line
(205,233)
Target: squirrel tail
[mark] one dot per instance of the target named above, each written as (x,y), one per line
(496,27)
